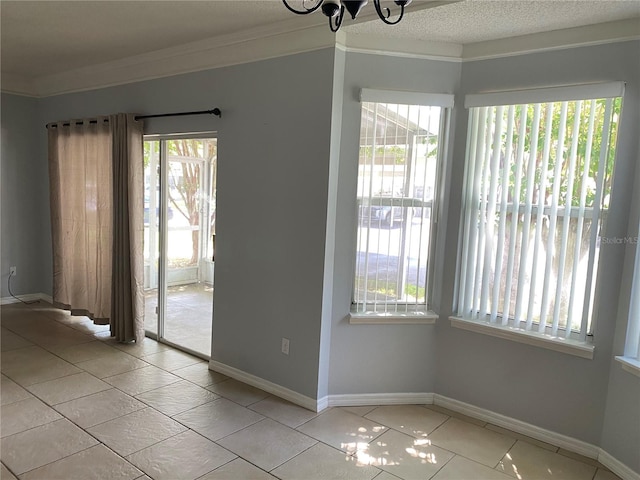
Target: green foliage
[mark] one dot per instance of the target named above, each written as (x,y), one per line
(588,150)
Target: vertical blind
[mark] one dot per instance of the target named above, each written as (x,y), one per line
(397,173)
(537,184)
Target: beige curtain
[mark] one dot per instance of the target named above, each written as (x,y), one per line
(127,296)
(94,249)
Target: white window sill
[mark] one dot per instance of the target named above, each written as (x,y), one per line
(629,364)
(393,318)
(570,347)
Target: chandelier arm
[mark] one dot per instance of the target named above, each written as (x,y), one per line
(385,13)
(336,21)
(305,11)
(334,25)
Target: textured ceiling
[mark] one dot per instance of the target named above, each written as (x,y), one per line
(40,38)
(480,20)
(81,33)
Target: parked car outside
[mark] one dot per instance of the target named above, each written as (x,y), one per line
(376,212)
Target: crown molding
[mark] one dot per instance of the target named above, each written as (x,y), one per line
(234,49)
(601,33)
(291,37)
(400,47)
(17,85)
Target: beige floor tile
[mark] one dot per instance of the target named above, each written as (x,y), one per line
(177,397)
(68,388)
(238,392)
(171,359)
(525,462)
(95,463)
(89,328)
(282,411)
(50,334)
(605,475)
(218,419)
(99,408)
(5,474)
(103,336)
(454,414)
(460,468)
(519,436)
(388,476)
(581,458)
(135,431)
(322,462)
(39,446)
(267,444)
(362,411)
(11,392)
(142,380)
(146,347)
(403,455)
(84,351)
(21,358)
(200,374)
(111,365)
(25,414)
(238,469)
(472,441)
(413,420)
(11,341)
(30,365)
(342,430)
(186,456)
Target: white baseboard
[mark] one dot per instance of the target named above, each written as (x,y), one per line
(362,399)
(548,436)
(617,467)
(557,439)
(273,388)
(524,428)
(349,400)
(30,297)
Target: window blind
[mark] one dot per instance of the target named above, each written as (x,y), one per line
(536,191)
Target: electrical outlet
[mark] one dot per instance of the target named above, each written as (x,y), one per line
(12,271)
(285,346)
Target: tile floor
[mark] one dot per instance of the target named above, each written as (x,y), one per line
(76,405)
(188,316)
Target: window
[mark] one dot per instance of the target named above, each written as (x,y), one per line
(401,146)
(537,187)
(631,359)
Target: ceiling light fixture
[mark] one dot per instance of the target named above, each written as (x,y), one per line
(334,9)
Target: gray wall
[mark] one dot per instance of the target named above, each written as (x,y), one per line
(621,429)
(274,140)
(376,358)
(288,148)
(24,202)
(555,391)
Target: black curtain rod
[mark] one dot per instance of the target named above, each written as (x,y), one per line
(216,111)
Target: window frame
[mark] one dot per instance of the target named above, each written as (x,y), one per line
(630,359)
(420,313)
(582,346)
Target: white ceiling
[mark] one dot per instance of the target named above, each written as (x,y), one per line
(44,38)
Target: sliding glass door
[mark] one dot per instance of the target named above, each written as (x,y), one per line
(179,216)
